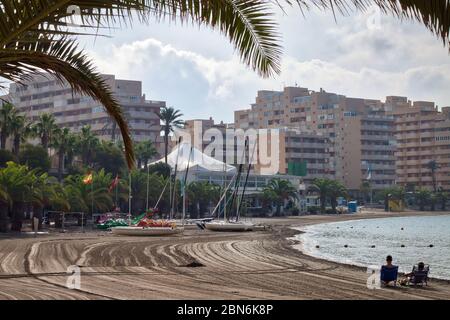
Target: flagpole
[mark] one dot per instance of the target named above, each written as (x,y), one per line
(117,192)
(148,182)
(92,194)
(129,198)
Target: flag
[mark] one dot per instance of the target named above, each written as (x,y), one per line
(114,183)
(369,172)
(88,178)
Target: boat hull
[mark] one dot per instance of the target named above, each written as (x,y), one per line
(230,227)
(149,232)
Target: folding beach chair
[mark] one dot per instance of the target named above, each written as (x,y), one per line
(419,277)
(388,275)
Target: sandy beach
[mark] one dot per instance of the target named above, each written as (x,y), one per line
(252,265)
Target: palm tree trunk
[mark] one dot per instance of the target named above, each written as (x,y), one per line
(166,146)
(2,140)
(322,203)
(17,217)
(16,145)
(433,176)
(44,141)
(37,213)
(4,219)
(333,204)
(60,165)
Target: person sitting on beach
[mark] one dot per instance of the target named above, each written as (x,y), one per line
(389,272)
(408,277)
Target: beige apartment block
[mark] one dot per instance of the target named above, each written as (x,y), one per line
(423,135)
(309,149)
(44,94)
(359,134)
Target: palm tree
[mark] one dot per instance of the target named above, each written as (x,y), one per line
(144,151)
(336,190)
(20,130)
(46,191)
(322,187)
(45,128)
(15,182)
(423,197)
(170,119)
(7,114)
(86,144)
(63,142)
(85,198)
(5,204)
(433,166)
(280,190)
(443,197)
(200,195)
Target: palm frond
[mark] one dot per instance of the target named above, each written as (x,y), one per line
(247,24)
(62,59)
(434,14)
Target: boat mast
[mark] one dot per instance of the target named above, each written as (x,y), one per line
(250,160)
(184,186)
(224,187)
(148,186)
(172,200)
(238,178)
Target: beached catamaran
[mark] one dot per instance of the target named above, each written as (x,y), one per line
(229,223)
(149,227)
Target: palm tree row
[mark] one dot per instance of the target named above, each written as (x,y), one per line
(65,143)
(424,197)
(279,191)
(28,190)
(328,190)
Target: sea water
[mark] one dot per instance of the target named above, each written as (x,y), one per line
(367,242)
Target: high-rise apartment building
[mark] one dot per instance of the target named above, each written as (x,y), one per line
(45,94)
(422,135)
(358,135)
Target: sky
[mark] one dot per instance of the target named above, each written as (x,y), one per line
(197,70)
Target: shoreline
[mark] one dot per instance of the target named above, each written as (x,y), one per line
(298,245)
(250,265)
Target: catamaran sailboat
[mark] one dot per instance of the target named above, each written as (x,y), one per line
(233,224)
(149,227)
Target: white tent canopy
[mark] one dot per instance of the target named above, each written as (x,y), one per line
(198,161)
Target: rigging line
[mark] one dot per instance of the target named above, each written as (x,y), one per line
(223,195)
(245,182)
(172,200)
(238,179)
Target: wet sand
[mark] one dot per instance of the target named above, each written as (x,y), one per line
(252,265)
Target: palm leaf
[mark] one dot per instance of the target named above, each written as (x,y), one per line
(434,14)
(62,59)
(246,23)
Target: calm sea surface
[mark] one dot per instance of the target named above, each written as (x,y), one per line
(388,235)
